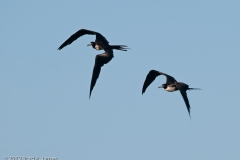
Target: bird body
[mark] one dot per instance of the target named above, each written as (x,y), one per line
(171,85)
(96,46)
(100,43)
(171,88)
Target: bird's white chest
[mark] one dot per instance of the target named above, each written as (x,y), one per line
(97,47)
(170,88)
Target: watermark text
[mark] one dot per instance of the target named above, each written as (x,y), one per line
(28,158)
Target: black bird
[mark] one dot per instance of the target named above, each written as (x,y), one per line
(100,43)
(171,85)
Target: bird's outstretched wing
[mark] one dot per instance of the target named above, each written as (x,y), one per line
(80,33)
(100,60)
(101,39)
(151,77)
(183,90)
(170,79)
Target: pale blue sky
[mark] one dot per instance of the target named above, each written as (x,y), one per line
(44,105)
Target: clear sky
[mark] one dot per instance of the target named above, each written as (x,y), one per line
(44,106)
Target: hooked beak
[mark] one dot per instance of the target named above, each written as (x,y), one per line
(160,86)
(89,44)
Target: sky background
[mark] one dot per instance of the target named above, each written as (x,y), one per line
(44,106)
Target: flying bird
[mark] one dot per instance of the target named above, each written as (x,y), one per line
(171,85)
(100,43)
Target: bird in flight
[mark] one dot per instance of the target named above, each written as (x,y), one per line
(100,43)
(171,85)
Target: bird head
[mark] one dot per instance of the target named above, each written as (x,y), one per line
(91,44)
(163,86)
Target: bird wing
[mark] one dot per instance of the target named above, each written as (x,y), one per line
(101,39)
(183,90)
(151,77)
(76,35)
(100,60)
(170,79)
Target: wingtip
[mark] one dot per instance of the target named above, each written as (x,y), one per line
(189,114)
(89,95)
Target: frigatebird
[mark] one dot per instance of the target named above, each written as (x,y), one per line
(171,85)
(100,43)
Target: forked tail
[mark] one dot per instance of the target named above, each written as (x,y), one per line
(120,47)
(194,89)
